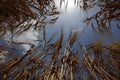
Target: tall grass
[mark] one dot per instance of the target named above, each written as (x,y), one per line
(57,60)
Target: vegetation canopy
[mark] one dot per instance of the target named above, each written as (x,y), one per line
(57,59)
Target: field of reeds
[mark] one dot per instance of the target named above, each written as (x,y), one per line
(57,59)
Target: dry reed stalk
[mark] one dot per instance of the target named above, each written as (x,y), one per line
(48,75)
(87,63)
(53,76)
(106,73)
(117,65)
(18,76)
(71,73)
(61,72)
(101,73)
(5,76)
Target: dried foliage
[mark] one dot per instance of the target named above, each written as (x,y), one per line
(109,11)
(57,60)
(21,15)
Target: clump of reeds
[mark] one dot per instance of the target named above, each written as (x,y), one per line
(14,14)
(109,12)
(56,61)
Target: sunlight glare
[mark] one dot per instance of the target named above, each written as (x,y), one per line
(71,5)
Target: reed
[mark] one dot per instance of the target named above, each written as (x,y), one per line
(57,60)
